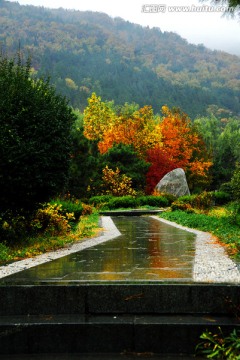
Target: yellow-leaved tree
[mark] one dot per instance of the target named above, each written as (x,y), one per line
(98,117)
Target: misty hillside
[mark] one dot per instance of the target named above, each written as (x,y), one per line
(84,52)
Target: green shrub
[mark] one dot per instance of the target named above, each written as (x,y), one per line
(123,202)
(227,188)
(170,197)
(178,205)
(203,201)
(221,197)
(219,346)
(99,200)
(113,202)
(151,200)
(187,199)
(4,253)
(184,203)
(69,206)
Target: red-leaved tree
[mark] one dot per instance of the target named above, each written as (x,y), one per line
(161,164)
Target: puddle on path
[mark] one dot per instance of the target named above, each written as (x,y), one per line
(147,250)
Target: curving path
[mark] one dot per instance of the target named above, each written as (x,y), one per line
(211,264)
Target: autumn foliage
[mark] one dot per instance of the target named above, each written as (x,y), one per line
(161,164)
(165,143)
(138,129)
(117,184)
(184,146)
(98,118)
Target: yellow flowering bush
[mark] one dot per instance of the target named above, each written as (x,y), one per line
(51,221)
(117,184)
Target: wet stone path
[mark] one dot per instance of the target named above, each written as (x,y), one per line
(131,249)
(146,250)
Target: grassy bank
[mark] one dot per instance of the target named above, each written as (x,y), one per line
(87,226)
(216,221)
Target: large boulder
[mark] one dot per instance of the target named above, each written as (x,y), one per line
(174,183)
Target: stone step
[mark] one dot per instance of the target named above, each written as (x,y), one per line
(119,334)
(110,356)
(119,299)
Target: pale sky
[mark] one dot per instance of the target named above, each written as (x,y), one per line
(194,21)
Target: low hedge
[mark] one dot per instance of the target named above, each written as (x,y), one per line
(156,201)
(123,202)
(113,202)
(99,200)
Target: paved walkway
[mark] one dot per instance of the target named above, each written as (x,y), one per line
(211,263)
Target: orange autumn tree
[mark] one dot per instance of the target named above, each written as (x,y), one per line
(184,147)
(137,127)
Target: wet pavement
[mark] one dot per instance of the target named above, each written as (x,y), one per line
(146,250)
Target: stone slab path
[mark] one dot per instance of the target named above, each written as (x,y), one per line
(211,263)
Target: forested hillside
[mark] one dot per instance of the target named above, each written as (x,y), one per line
(85,52)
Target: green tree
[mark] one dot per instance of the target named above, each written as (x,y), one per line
(85,170)
(235,184)
(126,159)
(227,151)
(235,187)
(223,142)
(35,140)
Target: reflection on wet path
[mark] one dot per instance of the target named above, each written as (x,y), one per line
(147,250)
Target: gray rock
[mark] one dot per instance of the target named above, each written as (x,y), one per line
(174,183)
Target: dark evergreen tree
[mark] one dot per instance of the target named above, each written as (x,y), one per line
(85,168)
(34,139)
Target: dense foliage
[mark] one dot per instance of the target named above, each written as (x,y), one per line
(87,52)
(222,139)
(51,228)
(126,159)
(136,141)
(34,138)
